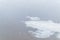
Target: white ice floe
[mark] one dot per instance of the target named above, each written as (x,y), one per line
(44,28)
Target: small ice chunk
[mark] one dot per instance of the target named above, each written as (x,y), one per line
(33,18)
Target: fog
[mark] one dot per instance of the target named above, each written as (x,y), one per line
(12,12)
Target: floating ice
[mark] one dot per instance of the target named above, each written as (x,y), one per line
(44,28)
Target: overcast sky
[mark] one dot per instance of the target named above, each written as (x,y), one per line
(46,9)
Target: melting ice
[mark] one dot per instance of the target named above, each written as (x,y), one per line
(44,28)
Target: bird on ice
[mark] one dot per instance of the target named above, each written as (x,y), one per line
(44,28)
